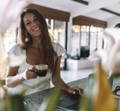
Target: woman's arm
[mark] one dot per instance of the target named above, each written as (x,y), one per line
(57,81)
(15,79)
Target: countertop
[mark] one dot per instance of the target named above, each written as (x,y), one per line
(34,102)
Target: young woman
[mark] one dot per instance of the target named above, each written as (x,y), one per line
(39,50)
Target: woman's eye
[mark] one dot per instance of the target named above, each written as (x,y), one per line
(36,19)
(27,23)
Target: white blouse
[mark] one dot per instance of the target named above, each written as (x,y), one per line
(32,85)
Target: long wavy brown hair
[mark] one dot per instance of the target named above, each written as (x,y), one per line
(46,40)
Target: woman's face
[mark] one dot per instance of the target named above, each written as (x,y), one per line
(32,24)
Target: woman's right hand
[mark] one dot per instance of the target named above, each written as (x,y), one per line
(30,74)
(75,90)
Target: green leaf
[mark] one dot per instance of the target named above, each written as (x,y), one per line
(53,100)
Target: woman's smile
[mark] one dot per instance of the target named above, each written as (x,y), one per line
(32,24)
(35,29)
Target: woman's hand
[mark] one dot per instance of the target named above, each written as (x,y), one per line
(75,90)
(30,74)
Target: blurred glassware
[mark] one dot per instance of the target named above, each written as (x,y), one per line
(103,99)
(9,13)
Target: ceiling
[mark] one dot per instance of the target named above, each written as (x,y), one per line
(99,9)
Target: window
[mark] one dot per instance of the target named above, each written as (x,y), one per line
(57,31)
(96,41)
(84,35)
(87,37)
(75,40)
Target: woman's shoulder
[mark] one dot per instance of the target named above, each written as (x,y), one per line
(57,45)
(16,55)
(16,49)
(58,48)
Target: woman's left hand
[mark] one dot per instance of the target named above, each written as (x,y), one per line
(75,90)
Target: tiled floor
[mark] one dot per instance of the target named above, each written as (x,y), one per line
(72,75)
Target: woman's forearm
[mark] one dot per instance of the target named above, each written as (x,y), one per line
(12,81)
(57,81)
(56,78)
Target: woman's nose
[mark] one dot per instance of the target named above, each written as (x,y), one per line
(34,23)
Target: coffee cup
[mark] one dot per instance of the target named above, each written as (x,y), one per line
(41,70)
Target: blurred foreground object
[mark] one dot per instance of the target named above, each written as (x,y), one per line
(8,101)
(110,55)
(112,48)
(98,95)
(9,13)
(86,101)
(12,103)
(103,99)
